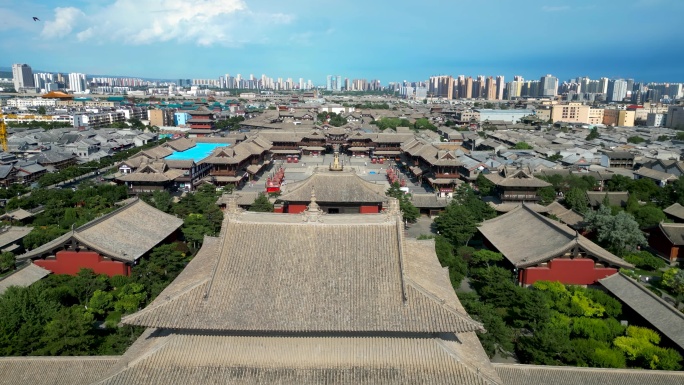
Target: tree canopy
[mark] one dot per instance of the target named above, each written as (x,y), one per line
(409,212)
(620,232)
(593,134)
(262,204)
(522,146)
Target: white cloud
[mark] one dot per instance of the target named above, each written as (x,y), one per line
(66,19)
(204,22)
(559,8)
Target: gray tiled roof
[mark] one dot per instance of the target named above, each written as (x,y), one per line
(5,170)
(674,232)
(668,320)
(527,238)
(11,234)
(428,201)
(188,359)
(124,234)
(517,178)
(24,277)
(54,370)
(654,174)
(514,374)
(334,187)
(676,210)
(274,272)
(566,216)
(181,144)
(615,198)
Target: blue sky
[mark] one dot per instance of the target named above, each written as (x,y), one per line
(374,39)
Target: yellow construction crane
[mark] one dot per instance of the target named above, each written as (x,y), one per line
(3,133)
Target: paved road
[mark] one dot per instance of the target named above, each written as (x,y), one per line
(422,226)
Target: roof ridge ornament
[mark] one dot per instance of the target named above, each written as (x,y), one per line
(393,209)
(313,212)
(233,210)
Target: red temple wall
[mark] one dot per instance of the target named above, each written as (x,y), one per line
(578,271)
(369,209)
(296,209)
(70,262)
(278,210)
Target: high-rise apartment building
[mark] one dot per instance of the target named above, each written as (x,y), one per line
(490,89)
(514,88)
(479,87)
(530,89)
(41,80)
(22,75)
(468,88)
(77,82)
(583,85)
(500,86)
(548,86)
(441,87)
(617,90)
(603,86)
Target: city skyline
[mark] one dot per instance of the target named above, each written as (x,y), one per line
(379,40)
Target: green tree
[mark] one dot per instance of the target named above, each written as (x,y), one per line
(68,333)
(458,268)
(495,285)
(262,204)
(25,311)
(645,260)
(131,296)
(499,337)
(482,258)
(639,345)
(195,227)
(136,123)
(7,262)
(42,110)
(649,216)
(597,328)
(620,233)
(484,185)
(555,157)
(332,118)
(546,195)
(643,189)
(100,302)
(409,212)
(673,278)
(456,224)
(635,139)
(424,124)
(162,200)
(480,210)
(619,183)
(549,344)
(576,199)
(391,122)
(593,134)
(41,235)
(86,283)
(522,146)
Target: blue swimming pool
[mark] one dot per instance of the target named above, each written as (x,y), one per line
(372,172)
(197,153)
